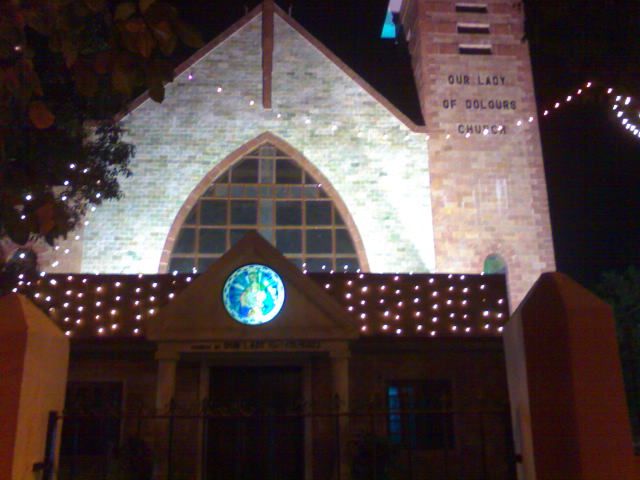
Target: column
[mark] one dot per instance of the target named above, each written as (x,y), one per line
(165,391)
(166,381)
(203,395)
(340,373)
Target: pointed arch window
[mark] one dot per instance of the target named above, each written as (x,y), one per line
(268,192)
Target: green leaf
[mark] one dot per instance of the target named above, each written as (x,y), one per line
(165,37)
(145,43)
(122,81)
(39,21)
(17,230)
(86,80)
(44,214)
(124,11)
(69,51)
(40,115)
(95,5)
(145,4)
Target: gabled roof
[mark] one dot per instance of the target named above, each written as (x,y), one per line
(237,26)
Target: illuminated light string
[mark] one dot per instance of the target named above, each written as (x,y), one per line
(626,114)
(621,104)
(99,304)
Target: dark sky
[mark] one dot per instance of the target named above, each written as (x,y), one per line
(592,163)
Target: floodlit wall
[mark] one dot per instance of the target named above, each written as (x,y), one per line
(489,195)
(375,162)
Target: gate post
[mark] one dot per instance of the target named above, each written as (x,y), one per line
(34,358)
(570,417)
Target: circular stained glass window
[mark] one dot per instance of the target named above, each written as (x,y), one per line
(253,294)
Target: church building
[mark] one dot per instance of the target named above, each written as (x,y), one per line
(290,234)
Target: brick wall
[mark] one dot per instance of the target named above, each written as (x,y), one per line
(488,191)
(375,161)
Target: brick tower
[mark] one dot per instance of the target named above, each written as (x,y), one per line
(474,80)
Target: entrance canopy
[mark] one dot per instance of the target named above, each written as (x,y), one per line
(202,314)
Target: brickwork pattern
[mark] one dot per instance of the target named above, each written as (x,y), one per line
(376,163)
(488,191)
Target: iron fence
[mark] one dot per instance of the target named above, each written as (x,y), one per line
(245,443)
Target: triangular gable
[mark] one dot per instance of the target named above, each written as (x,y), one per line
(198,314)
(237,26)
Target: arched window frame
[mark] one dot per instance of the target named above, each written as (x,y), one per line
(234,157)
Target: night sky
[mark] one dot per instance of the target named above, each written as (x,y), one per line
(592,163)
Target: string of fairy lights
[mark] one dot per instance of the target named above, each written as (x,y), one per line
(379,304)
(626,113)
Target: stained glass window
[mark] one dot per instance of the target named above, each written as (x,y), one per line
(268,192)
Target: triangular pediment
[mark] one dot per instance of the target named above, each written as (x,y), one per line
(239,28)
(198,313)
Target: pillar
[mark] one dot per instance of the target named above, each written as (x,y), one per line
(34,358)
(166,381)
(566,391)
(340,376)
(165,390)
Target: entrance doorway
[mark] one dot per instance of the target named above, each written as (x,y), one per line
(255,431)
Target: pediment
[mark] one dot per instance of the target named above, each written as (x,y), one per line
(198,314)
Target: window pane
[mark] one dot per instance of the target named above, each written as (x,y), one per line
(343,242)
(213,241)
(237,234)
(221,190)
(311,192)
(318,213)
(319,241)
(266,212)
(347,264)
(191,218)
(205,263)
(181,265)
(245,171)
(186,242)
(288,172)
(316,264)
(244,212)
(309,180)
(224,178)
(408,423)
(267,150)
(265,191)
(289,213)
(266,171)
(251,191)
(289,241)
(213,212)
(236,191)
(267,234)
(296,261)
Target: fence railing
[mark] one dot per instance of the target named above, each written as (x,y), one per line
(236,443)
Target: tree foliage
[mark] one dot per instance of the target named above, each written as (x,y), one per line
(622,291)
(62,63)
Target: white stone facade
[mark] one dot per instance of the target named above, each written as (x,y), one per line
(374,160)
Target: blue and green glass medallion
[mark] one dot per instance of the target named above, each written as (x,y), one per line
(253,294)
